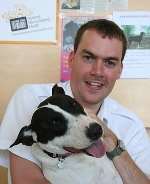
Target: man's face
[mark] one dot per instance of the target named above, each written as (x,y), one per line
(95,67)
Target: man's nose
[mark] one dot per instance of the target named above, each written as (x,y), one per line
(97,67)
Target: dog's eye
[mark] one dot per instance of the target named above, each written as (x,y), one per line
(58,127)
(74,104)
(55,122)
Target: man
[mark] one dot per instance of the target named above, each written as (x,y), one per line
(95,65)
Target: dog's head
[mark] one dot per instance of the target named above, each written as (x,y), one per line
(60,125)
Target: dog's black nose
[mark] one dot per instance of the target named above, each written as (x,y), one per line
(94,131)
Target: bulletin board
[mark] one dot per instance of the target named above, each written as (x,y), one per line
(22,63)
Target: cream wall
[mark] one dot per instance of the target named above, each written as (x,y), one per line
(20,64)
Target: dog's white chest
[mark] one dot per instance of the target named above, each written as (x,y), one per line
(79,169)
(84,169)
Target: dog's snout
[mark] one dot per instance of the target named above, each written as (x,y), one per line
(94,131)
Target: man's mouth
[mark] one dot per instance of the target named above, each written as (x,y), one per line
(95,84)
(97,149)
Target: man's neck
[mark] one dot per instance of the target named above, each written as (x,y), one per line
(94,109)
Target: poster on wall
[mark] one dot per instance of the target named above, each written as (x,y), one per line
(70,25)
(30,20)
(136,26)
(93,6)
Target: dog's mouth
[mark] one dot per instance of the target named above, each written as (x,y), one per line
(97,149)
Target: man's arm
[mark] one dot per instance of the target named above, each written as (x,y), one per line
(23,171)
(128,170)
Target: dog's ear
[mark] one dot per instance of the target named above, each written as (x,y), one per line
(24,137)
(57,90)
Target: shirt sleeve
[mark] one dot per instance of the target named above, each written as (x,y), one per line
(18,114)
(139,147)
(131,130)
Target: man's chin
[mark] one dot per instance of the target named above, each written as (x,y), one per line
(93,100)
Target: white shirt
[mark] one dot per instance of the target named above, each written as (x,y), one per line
(123,123)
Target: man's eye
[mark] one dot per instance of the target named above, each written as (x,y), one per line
(88,59)
(110,63)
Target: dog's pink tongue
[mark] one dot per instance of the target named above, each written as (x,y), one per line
(97,149)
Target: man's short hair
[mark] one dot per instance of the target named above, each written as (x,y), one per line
(104,27)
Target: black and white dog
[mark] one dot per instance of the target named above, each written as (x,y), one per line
(67,142)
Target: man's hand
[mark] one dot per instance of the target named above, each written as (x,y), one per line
(109,138)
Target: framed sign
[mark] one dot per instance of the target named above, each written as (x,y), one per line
(136,26)
(31,20)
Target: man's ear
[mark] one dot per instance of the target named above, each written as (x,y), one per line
(120,70)
(24,137)
(71,59)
